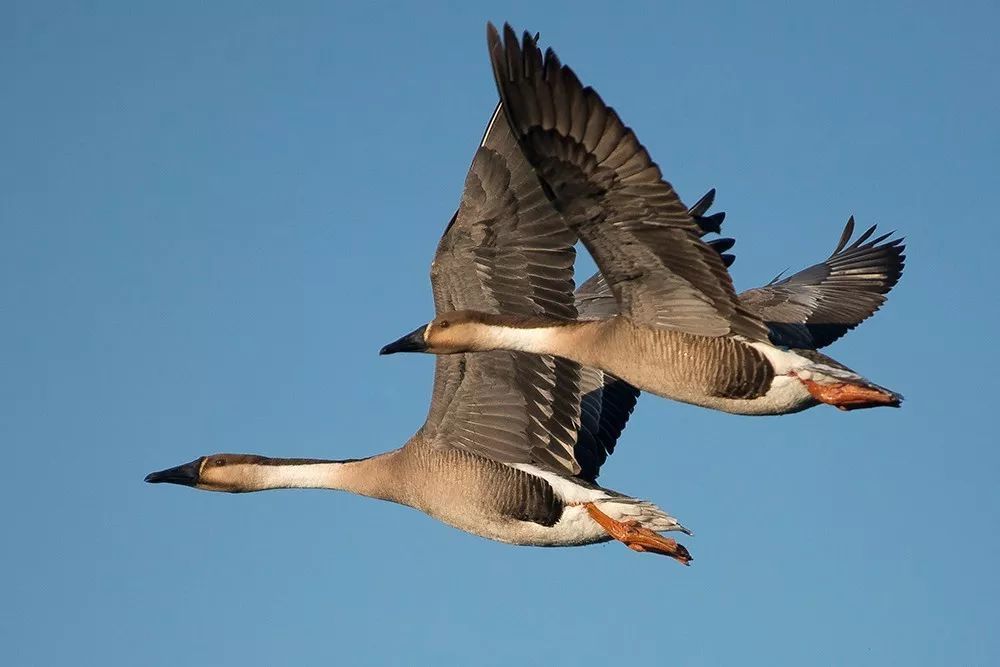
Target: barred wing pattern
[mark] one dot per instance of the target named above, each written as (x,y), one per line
(613,196)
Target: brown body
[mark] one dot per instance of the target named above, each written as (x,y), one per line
(466,491)
(727,373)
(512,503)
(678,365)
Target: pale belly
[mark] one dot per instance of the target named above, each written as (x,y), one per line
(786,395)
(476,506)
(574,528)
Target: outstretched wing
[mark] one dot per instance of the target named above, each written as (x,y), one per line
(614,197)
(508,251)
(818,305)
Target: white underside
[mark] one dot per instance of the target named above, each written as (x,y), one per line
(787,393)
(575,527)
(789,363)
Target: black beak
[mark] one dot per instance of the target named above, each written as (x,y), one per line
(411,342)
(186,474)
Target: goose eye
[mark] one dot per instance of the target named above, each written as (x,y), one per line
(443,324)
(219,462)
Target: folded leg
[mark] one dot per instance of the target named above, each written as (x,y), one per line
(638,538)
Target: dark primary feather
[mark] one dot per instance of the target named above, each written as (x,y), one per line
(810,309)
(818,305)
(613,195)
(707,223)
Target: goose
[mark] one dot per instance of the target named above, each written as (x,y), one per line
(679,330)
(513,442)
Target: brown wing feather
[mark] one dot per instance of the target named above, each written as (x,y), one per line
(613,195)
(508,251)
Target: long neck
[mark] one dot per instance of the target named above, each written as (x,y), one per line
(375,477)
(538,337)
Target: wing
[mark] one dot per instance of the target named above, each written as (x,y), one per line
(707,223)
(613,196)
(506,250)
(818,305)
(596,301)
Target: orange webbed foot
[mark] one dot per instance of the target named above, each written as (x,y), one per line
(639,538)
(846,396)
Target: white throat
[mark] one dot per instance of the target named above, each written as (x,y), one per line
(542,340)
(300,476)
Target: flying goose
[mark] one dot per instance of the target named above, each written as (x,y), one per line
(680,331)
(513,442)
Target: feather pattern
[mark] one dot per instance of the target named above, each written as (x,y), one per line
(613,196)
(595,299)
(507,250)
(818,305)
(608,401)
(807,310)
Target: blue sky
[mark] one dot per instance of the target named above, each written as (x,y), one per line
(212,218)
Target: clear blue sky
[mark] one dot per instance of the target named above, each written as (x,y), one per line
(212,218)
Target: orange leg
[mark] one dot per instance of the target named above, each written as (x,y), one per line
(846,396)
(637,538)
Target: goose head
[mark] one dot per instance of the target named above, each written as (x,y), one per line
(234,473)
(449,333)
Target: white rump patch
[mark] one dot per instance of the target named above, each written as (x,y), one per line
(567,490)
(784,362)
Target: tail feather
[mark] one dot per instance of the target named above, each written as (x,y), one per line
(648,515)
